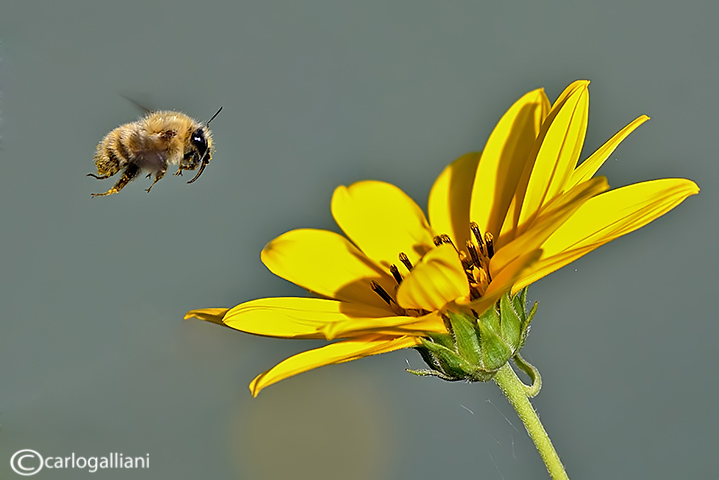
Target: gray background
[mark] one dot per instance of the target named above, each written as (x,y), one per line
(95,356)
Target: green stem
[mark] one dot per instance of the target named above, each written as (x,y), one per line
(515,391)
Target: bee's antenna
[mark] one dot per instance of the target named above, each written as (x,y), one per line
(213,117)
(204,157)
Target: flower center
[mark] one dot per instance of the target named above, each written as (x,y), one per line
(475,262)
(477,265)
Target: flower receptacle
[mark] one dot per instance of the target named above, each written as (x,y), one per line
(477,346)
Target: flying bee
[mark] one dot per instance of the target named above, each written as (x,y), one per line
(151,144)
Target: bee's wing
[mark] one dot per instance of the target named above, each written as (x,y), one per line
(137,104)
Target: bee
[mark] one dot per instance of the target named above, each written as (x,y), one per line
(151,144)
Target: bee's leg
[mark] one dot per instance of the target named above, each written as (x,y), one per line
(130,172)
(158,176)
(108,175)
(192,166)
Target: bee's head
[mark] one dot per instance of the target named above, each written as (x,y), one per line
(200,141)
(198,150)
(201,147)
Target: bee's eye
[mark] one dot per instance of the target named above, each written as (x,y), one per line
(198,137)
(199,142)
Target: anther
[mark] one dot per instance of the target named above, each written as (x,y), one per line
(445,239)
(437,240)
(395,273)
(477,235)
(489,239)
(377,288)
(473,253)
(405,261)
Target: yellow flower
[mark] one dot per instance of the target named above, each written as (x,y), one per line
(498,220)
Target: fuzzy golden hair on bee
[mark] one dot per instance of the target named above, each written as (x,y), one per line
(152,144)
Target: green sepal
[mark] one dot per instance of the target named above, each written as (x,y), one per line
(449,362)
(444,339)
(476,346)
(530,316)
(511,326)
(429,359)
(525,327)
(519,301)
(495,351)
(466,337)
(490,318)
(432,373)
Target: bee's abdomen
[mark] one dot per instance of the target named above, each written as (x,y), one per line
(115,150)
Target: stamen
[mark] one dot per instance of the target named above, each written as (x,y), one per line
(405,261)
(489,238)
(473,253)
(437,241)
(466,262)
(445,239)
(395,273)
(377,288)
(477,235)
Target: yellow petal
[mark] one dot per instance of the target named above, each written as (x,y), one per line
(328,264)
(450,198)
(395,326)
(504,159)
(509,228)
(606,217)
(435,281)
(619,212)
(214,315)
(572,89)
(545,266)
(509,275)
(291,317)
(382,221)
(557,150)
(338,352)
(547,223)
(589,167)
